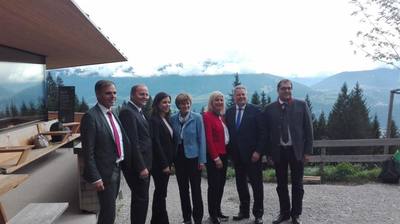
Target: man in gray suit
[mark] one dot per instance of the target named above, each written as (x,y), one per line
(104,145)
(288,136)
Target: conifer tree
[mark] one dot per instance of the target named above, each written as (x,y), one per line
(84,107)
(24,109)
(52,93)
(147,107)
(358,115)
(313,118)
(255,98)
(264,100)
(320,132)
(375,128)
(230,102)
(338,127)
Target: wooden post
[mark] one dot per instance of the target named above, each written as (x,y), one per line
(321,165)
(389,121)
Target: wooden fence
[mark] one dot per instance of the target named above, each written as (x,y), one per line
(362,144)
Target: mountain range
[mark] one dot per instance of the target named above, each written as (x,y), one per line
(376,85)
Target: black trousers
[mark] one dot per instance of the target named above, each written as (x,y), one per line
(187,172)
(107,198)
(253,172)
(139,197)
(216,179)
(288,158)
(159,209)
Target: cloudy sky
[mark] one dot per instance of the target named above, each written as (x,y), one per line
(282,37)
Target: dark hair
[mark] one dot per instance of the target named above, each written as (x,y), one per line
(284,81)
(101,84)
(157,99)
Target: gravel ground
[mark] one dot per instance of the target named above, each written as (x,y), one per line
(368,203)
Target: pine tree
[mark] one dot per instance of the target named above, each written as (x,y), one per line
(13,109)
(24,109)
(77,103)
(320,131)
(358,115)
(255,98)
(147,107)
(394,130)
(313,118)
(32,108)
(394,133)
(338,127)
(59,81)
(230,102)
(52,93)
(83,106)
(264,101)
(375,128)
(7,111)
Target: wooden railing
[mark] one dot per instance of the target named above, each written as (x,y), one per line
(347,144)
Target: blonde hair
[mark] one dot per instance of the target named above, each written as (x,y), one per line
(211,99)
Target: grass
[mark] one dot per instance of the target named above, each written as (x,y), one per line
(340,173)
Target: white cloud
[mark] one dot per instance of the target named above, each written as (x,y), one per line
(20,72)
(284,37)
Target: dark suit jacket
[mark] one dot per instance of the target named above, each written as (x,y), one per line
(164,149)
(98,145)
(299,124)
(244,141)
(138,131)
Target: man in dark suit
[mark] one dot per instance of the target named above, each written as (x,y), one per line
(104,145)
(245,151)
(288,136)
(138,130)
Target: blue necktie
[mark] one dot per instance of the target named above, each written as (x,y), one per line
(239,118)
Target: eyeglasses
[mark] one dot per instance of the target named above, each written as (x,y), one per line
(285,88)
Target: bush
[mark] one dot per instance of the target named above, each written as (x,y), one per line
(269,175)
(347,172)
(230,172)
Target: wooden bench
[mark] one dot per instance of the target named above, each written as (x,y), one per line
(65,134)
(24,151)
(16,151)
(39,213)
(74,126)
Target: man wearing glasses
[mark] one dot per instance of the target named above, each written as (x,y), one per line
(288,137)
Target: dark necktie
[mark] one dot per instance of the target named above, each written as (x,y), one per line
(116,135)
(239,118)
(141,113)
(285,123)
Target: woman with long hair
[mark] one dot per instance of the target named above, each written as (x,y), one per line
(163,155)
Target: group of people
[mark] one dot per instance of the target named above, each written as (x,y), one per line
(143,146)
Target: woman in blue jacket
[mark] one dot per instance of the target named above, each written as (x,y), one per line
(191,156)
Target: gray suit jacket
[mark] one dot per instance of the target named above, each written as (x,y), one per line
(299,124)
(98,145)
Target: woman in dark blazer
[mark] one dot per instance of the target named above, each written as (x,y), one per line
(191,157)
(163,155)
(217,137)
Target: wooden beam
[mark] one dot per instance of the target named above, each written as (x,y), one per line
(349,158)
(356,143)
